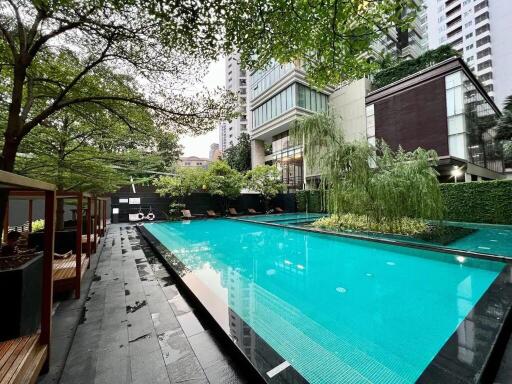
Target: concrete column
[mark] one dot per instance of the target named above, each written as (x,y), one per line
(257,153)
(467,177)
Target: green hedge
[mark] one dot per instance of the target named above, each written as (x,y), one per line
(310,201)
(479,202)
(408,67)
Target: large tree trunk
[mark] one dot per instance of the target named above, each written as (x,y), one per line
(12,133)
(6,164)
(59,222)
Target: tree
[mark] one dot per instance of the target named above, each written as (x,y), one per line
(224,181)
(52,54)
(239,155)
(265,179)
(383,185)
(333,38)
(182,184)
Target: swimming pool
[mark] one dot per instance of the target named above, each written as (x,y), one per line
(338,310)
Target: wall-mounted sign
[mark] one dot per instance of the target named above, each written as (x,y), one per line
(115,211)
(123,201)
(134,200)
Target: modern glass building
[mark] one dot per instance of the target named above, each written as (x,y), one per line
(444,108)
(279,95)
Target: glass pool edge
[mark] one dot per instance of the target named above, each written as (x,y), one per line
(491,315)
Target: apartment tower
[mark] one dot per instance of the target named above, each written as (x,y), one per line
(236,81)
(479,30)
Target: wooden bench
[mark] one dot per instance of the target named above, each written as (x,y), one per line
(64,273)
(21,359)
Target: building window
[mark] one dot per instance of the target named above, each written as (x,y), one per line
(296,95)
(483,53)
(470,46)
(482,29)
(481,5)
(483,40)
(484,65)
(471,123)
(485,77)
(454,32)
(469,35)
(482,17)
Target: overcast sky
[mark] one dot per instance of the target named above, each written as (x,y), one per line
(200,145)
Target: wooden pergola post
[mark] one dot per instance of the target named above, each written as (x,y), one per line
(104,215)
(30,214)
(95,224)
(47,291)
(6,224)
(78,254)
(88,229)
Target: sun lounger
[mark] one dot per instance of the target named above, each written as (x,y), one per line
(278,210)
(233,212)
(187,215)
(211,213)
(252,211)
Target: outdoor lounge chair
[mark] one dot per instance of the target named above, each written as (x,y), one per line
(278,210)
(187,215)
(211,213)
(233,212)
(252,211)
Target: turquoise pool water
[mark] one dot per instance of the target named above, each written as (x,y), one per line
(339,310)
(285,218)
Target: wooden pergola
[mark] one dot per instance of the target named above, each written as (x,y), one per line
(23,358)
(68,273)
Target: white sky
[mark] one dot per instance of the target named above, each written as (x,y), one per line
(200,145)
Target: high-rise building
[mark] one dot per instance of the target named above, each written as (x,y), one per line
(479,30)
(236,81)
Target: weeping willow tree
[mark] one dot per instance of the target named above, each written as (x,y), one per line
(380,184)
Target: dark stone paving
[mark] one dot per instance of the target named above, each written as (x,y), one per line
(137,328)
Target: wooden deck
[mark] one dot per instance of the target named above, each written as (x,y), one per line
(21,360)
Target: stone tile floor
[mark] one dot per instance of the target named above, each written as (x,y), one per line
(137,328)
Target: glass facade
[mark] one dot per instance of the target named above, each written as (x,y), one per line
(264,79)
(296,95)
(471,124)
(289,162)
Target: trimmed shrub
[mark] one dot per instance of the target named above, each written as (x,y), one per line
(479,202)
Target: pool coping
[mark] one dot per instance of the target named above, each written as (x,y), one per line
(428,247)
(445,367)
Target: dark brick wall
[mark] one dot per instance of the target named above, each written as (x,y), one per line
(414,118)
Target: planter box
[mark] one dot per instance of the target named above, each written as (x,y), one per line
(20,297)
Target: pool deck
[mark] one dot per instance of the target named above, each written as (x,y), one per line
(136,327)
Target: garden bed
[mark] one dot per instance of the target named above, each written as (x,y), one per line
(409,229)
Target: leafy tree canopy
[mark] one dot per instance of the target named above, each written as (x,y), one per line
(239,155)
(185,181)
(222,180)
(265,179)
(333,38)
